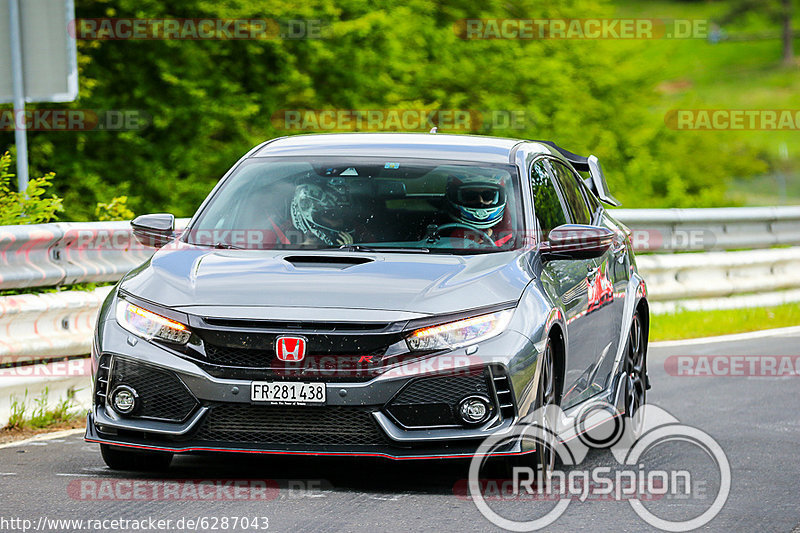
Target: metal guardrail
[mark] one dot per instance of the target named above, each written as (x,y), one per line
(45,255)
(722,228)
(48,325)
(721,280)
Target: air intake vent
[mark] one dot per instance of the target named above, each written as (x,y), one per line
(162,395)
(329,425)
(433,401)
(337,262)
(101,380)
(502,389)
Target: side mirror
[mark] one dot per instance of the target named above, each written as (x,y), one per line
(154,230)
(576,241)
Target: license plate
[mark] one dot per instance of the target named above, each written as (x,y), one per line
(287,392)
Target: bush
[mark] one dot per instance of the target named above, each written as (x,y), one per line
(116,209)
(32,207)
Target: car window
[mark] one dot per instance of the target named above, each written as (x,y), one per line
(572,194)
(441,206)
(594,203)
(546,200)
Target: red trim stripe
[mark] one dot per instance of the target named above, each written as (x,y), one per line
(277,452)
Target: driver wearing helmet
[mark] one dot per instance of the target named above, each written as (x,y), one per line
(317,212)
(478,202)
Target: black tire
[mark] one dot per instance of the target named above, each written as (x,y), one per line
(635,372)
(118,458)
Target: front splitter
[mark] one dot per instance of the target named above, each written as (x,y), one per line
(451,451)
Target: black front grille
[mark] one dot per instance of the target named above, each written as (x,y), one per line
(244,357)
(162,396)
(290,425)
(257,350)
(433,401)
(234,348)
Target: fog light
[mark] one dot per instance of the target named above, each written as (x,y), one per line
(475,409)
(123,399)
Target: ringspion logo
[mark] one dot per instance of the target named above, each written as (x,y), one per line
(632,443)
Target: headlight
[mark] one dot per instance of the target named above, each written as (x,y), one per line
(149,325)
(460,332)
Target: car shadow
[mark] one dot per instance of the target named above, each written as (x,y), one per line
(301,473)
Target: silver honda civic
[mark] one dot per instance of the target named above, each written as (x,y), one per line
(401,296)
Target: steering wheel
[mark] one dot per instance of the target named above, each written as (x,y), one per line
(480,233)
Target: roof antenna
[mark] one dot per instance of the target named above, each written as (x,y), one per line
(434,130)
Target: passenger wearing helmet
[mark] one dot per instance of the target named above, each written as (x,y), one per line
(318,212)
(478,202)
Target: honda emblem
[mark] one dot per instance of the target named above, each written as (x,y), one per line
(290,348)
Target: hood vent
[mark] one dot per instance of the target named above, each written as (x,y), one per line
(336,262)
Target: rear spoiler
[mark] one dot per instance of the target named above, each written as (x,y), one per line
(597,180)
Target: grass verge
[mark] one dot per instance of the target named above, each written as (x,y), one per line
(28,419)
(694,324)
(742,72)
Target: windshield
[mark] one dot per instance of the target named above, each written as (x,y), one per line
(362,204)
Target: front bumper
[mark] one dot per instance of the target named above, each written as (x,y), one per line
(462,450)
(357,419)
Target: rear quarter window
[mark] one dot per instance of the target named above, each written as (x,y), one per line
(572,194)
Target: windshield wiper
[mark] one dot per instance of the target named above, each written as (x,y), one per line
(362,248)
(219,245)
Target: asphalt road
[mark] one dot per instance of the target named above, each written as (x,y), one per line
(754,419)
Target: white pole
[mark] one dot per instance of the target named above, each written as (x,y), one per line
(20,134)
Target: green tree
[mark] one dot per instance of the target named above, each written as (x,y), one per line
(210,101)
